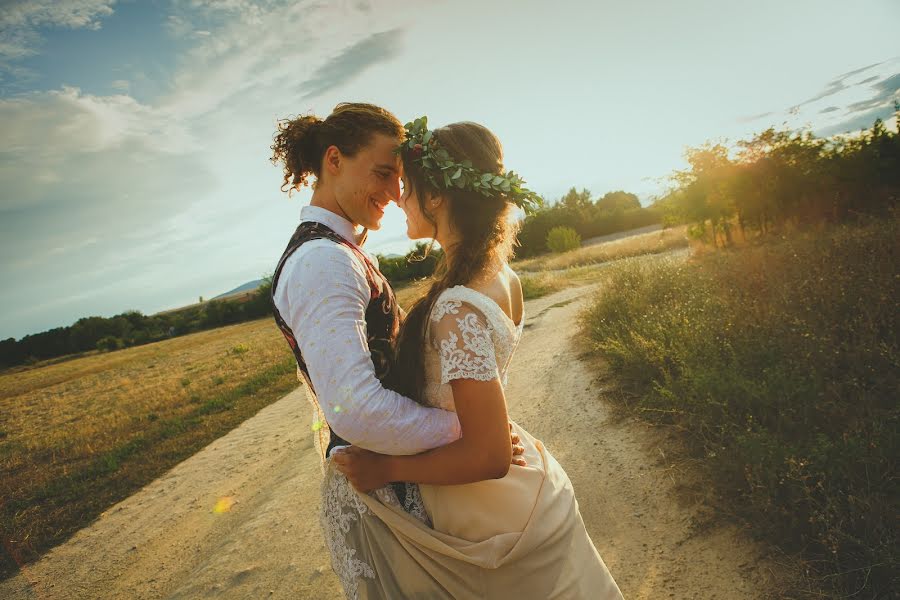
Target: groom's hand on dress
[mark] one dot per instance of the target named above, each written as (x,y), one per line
(517,448)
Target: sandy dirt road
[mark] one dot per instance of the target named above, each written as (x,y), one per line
(169,540)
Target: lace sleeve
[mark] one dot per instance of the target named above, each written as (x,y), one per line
(463,339)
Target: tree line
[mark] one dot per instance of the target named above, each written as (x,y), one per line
(132,328)
(610,213)
(783,177)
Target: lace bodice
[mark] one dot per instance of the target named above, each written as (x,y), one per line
(470,338)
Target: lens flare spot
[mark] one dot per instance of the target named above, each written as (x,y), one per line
(317,425)
(337,408)
(224,504)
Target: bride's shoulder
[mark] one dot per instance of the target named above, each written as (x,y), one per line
(450,301)
(515,285)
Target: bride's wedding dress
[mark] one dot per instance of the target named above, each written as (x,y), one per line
(521,536)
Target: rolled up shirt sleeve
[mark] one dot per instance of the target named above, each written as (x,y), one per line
(324,288)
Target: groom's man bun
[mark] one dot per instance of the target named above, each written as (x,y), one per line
(300,143)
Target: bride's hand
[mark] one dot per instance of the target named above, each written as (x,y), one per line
(517,448)
(365,470)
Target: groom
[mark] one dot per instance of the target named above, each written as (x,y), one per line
(334,307)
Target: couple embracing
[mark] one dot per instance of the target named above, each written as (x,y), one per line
(429,491)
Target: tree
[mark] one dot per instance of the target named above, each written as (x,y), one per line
(575,201)
(619,200)
(109,343)
(561,239)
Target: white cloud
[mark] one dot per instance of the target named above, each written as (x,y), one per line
(178,26)
(149,202)
(71,13)
(20,19)
(46,130)
(80,167)
(274,46)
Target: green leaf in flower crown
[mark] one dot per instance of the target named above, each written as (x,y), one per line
(426,137)
(446,179)
(497,180)
(457,174)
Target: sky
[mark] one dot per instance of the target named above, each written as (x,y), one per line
(135,169)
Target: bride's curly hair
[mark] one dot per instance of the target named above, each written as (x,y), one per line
(486,237)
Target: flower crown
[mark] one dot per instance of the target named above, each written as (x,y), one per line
(443,171)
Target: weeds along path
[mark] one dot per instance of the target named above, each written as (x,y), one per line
(239,518)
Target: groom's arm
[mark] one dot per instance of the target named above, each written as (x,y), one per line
(326,295)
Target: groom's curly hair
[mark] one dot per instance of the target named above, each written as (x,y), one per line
(300,143)
(486,236)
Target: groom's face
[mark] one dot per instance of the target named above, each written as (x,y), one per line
(368,181)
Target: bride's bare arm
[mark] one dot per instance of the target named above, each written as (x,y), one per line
(485,450)
(463,338)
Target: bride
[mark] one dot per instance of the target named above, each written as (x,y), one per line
(483,524)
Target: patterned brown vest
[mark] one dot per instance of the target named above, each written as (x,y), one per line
(382,313)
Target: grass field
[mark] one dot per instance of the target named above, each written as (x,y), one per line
(653,242)
(778,362)
(78,434)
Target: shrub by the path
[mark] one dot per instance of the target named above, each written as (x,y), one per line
(780,360)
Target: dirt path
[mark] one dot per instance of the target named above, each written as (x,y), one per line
(167,541)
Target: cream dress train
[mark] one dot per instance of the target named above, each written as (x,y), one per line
(519,537)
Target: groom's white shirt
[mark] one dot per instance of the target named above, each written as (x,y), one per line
(322,293)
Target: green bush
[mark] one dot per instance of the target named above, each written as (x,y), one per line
(110,343)
(781,362)
(561,239)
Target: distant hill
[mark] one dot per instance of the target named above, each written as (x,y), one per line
(247,287)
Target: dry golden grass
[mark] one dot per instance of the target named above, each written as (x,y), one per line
(647,243)
(79,435)
(409,292)
(108,395)
(535,285)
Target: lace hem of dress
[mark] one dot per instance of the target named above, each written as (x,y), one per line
(450,376)
(339,509)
